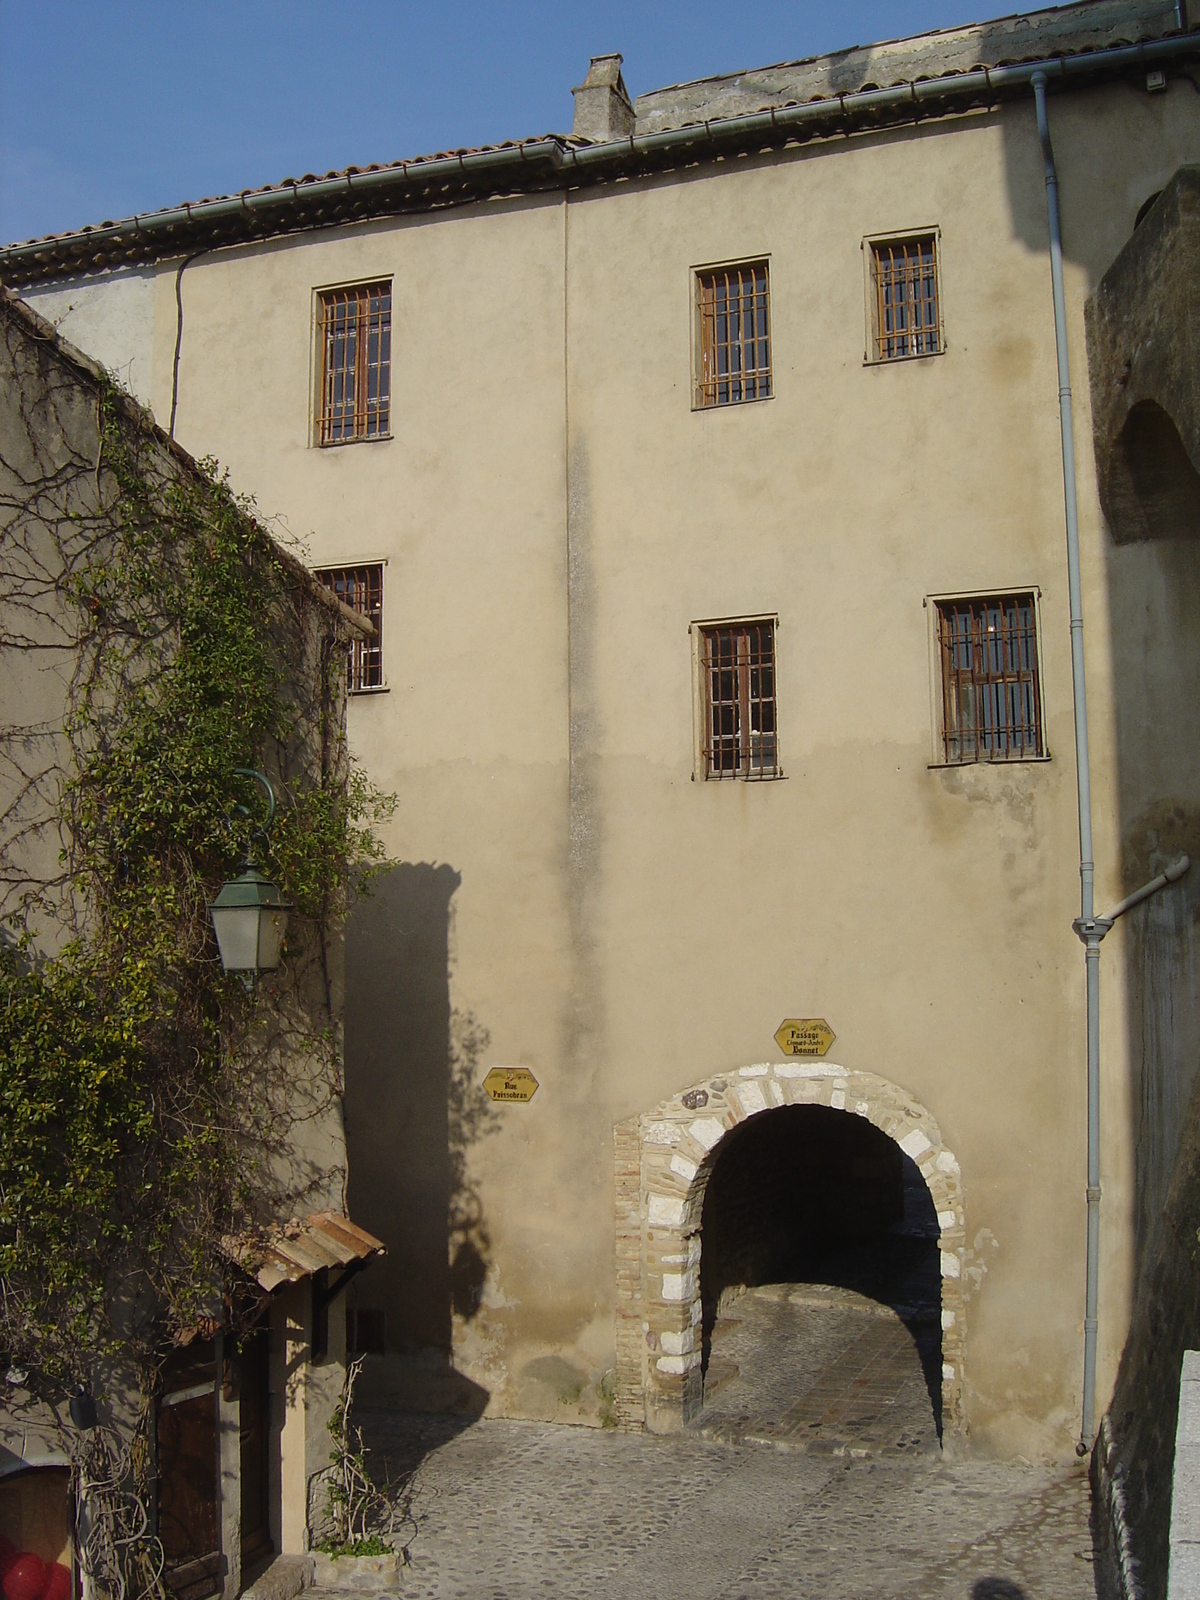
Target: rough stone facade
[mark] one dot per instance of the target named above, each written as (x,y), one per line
(1143,334)
(664,1160)
(990,44)
(1143,326)
(1134,1455)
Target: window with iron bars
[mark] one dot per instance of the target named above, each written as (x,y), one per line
(907,313)
(733,308)
(356,359)
(362,590)
(740,721)
(991,683)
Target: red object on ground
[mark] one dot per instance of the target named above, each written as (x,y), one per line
(58,1583)
(25,1579)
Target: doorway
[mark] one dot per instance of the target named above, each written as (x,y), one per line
(820,1288)
(188,1505)
(665,1158)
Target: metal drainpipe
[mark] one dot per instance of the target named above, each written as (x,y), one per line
(1086,926)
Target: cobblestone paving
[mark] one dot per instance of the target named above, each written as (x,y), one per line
(821,1369)
(513,1510)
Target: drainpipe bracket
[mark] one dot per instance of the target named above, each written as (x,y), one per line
(1093,1194)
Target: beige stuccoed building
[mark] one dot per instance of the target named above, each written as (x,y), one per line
(703,473)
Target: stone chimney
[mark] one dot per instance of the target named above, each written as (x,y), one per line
(603,109)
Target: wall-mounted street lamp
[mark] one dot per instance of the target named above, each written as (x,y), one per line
(249,915)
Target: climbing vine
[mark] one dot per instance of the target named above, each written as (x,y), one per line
(154,639)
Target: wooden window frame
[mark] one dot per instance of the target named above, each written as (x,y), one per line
(875,355)
(369,421)
(942,751)
(746,767)
(707,380)
(365,674)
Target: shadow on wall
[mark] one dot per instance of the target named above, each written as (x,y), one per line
(1144,373)
(413,1111)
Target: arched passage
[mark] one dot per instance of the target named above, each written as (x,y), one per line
(819,1286)
(666,1159)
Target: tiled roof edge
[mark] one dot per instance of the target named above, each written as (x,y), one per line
(550,163)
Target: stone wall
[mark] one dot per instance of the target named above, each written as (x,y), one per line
(1134,1455)
(659,1241)
(1143,329)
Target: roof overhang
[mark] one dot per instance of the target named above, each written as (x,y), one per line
(553,162)
(292,1251)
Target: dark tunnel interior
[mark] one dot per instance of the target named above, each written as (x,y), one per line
(810,1195)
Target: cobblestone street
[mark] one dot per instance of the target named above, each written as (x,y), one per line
(823,1369)
(509,1510)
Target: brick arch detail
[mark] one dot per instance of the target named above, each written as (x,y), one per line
(663,1162)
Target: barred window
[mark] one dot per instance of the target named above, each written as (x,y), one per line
(738,663)
(907,317)
(362,590)
(991,693)
(356,358)
(734,313)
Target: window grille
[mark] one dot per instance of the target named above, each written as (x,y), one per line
(364,1331)
(907,320)
(362,590)
(991,693)
(739,702)
(733,304)
(356,346)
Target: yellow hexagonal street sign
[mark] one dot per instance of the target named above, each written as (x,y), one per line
(804,1036)
(516,1084)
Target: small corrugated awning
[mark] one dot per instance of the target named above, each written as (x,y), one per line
(297,1249)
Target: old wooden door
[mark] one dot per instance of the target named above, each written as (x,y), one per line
(256,1530)
(188,1507)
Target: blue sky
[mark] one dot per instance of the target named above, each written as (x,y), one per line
(108,107)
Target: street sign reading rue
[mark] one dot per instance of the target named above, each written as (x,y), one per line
(805,1036)
(511,1083)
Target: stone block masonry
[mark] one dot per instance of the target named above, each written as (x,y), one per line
(664,1160)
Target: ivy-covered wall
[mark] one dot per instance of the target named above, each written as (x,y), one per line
(153,640)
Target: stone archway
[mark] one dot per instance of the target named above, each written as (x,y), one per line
(663,1162)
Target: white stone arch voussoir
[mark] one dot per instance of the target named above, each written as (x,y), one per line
(663,1162)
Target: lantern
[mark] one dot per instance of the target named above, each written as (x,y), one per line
(249,916)
(249,919)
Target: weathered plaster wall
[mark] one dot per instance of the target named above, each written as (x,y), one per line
(111,316)
(553,516)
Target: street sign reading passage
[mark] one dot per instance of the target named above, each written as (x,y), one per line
(511,1083)
(805,1036)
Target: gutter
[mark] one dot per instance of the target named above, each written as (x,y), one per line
(553,162)
(1086,925)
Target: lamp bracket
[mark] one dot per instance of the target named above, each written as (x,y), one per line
(262,832)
